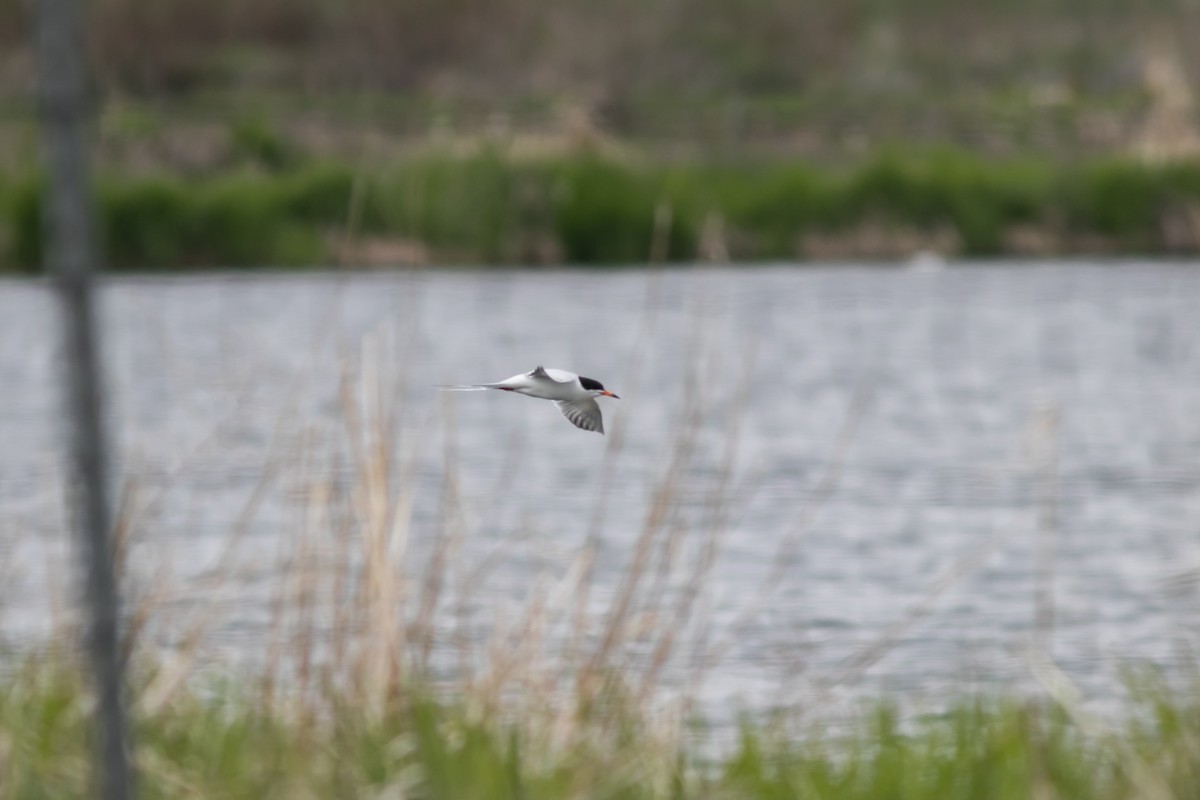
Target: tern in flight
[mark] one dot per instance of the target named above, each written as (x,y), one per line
(574,395)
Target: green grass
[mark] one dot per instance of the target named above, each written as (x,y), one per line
(224,740)
(279,209)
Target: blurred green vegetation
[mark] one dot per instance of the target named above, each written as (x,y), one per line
(487,208)
(224,741)
(317,132)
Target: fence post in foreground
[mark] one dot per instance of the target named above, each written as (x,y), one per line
(70,252)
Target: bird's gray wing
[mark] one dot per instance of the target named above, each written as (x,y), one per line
(556,375)
(583,413)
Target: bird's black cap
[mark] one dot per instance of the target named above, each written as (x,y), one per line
(591,384)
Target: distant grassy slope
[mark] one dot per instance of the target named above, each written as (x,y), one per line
(1051,75)
(316,132)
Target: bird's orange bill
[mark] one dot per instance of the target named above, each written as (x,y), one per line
(607,393)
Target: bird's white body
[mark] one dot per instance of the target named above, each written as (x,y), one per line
(574,396)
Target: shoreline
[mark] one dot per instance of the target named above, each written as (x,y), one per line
(593,209)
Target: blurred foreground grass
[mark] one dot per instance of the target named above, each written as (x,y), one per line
(234,740)
(490,207)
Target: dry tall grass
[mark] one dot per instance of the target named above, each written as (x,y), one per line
(361,603)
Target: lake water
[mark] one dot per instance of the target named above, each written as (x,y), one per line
(932,471)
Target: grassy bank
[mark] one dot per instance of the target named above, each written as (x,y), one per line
(1063,74)
(232,740)
(487,207)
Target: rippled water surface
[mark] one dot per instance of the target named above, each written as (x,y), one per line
(919,457)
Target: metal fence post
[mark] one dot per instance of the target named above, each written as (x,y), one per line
(70,251)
